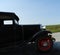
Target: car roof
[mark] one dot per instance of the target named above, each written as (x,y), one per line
(8,15)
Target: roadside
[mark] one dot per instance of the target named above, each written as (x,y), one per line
(53,28)
(56,36)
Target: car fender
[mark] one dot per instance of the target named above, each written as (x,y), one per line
(43,33)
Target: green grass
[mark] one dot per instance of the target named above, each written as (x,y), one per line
(53,28)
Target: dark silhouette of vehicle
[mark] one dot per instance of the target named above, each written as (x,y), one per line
(13,34)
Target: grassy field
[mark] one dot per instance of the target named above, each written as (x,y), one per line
(53,28)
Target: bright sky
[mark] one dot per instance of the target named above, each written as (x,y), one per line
(33,11)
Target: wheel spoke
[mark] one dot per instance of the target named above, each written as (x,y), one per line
(44,44)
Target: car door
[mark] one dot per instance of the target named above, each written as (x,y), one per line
(7,37)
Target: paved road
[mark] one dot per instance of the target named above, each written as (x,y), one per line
(30,50)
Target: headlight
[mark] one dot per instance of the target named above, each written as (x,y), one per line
(42,27)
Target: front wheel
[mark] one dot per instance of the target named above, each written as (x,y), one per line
(44,44)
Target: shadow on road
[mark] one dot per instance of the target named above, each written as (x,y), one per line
(30,50)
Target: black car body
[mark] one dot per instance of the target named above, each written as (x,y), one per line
(13,34)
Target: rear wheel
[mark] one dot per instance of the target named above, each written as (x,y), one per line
(44,44)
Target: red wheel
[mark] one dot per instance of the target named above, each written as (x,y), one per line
(45,44)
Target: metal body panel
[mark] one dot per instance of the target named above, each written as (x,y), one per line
(30,30)
(10,35)
(16,34)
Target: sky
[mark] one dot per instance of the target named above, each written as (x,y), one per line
(45,12)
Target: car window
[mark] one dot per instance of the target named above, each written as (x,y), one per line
(8,22)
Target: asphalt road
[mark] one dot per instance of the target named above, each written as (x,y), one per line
(30,49)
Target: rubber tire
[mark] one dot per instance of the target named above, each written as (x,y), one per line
(51,47)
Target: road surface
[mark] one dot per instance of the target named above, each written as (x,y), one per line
(30,49)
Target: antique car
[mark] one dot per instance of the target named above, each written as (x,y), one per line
(13,34)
